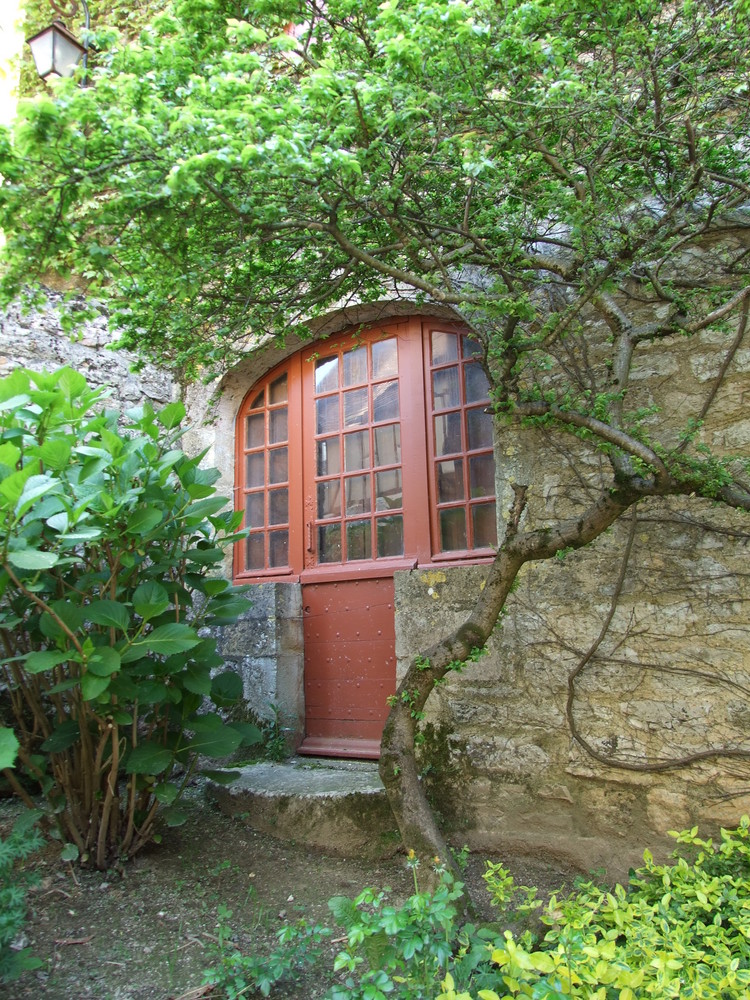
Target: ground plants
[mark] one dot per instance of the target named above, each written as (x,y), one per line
(111,541)
(22,841)
(677,930)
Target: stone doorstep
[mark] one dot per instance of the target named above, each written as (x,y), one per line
(339,806)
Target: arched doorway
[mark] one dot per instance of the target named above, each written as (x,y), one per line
(361,455)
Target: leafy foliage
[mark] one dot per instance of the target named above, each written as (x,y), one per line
(229,173)
(110,538)
(676,930)
(22,842)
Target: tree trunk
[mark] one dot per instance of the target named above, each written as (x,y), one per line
(398,768)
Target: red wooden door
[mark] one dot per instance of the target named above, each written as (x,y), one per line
(350,665)
(359,479)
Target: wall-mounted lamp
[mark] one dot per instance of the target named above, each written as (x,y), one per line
(56,51)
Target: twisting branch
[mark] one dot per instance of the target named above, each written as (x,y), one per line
(649,766)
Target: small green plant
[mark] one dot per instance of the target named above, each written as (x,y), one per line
(676,930)
(396,950)
(300,945)
(23,840)
(111,540)
(275,746)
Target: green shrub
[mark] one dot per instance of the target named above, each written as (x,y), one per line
(679,930)
(21,842)
(111,541)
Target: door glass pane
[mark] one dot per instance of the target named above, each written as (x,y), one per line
(278,548)
(448,434)
(388,492)
(277,392)
(254,511)
(471,348)
(482,476)
(255,431)
(479,425)
(445,388)
(357,451)
(326,374)
(358,544)
(329,543)
(390,532)
(255,556)
(278,506)
(384,358)
(258,400)
(278,465)
(329,498)
(358,495)
(356,409)
(329,457)
(327,415)
(355,367)
(255,472)
(385,401)
(484,522)
(452,529)
(277,426)
(450,481)
(387,444)
(444,347)
(477,386)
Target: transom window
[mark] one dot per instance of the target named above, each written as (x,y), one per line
(376,447)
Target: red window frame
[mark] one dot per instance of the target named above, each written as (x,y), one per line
(430,474)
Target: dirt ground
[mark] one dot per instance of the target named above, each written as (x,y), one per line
(147,931)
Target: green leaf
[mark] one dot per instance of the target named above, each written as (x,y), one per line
(66,685)
(45,659)
(226,689)
(68,613)
(32,559)
(166,792)
(148,758)
(92,685)
(69,853)
(249,733)
(66,734)
(143,520)
(175,815)
(212,737)
(55,453)
(110,613)
(174,637)
(169,416)
(8,747)
(104,661)
(150,599)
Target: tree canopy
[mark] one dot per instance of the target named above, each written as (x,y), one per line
(243,167)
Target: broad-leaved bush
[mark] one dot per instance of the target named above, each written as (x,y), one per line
(112,544)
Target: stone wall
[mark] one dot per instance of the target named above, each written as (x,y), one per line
(36,340)
(652,676)
(265,648)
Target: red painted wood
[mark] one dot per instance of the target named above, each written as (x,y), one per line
(350,663)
